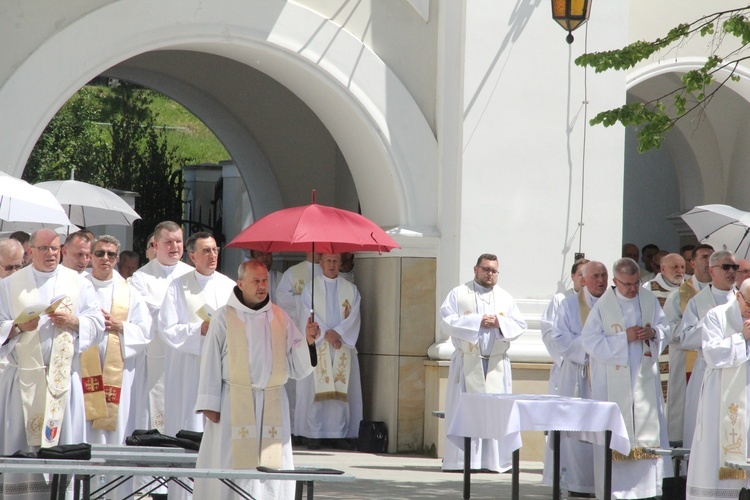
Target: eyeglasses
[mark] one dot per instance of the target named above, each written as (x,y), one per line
(727,267)
(747,303)
(488,270)
(635,284)
(101,253)
(210,251)
(46,248)
(12,267)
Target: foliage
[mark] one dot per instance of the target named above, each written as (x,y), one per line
(655,118)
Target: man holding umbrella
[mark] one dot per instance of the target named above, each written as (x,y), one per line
(329,401)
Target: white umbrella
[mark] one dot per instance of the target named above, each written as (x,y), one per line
(89,205)
(721,226)
(22,204)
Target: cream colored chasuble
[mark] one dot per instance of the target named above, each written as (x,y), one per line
(102,385)
(331,376)
(247,451)
(638,406)
(474,376)
(44,396)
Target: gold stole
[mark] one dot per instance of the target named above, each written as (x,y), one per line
(331,376)
(44,397)
(583,307)
(300,276)
(247,450)
(102,387)
(474,376)
(639,408)
(733,406)
(687,292)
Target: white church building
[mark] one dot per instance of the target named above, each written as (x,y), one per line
(458,125)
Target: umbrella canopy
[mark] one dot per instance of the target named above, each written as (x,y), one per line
(721,226)
(22,204)
(314,227)
(89,205)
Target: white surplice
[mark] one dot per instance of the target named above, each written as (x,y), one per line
(547,322)
(330,419)
(182,337)
(213,394)
(576,456)
(152,281)
(630,478)
(719,352)
(133,340)
(690,336)
(485,453)
(677,385)
(90,333)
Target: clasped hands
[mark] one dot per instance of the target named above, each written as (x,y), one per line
(639,333)
(490,321)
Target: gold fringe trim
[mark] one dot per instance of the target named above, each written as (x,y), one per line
(730,473)
(331,396)
(635,454)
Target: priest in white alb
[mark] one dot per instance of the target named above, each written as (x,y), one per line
(623,336)
(251,348)
(481,319)
(184,319)
(41,393)
(152,281)
(110,366)
(722,426)
(576,456)
(329,401)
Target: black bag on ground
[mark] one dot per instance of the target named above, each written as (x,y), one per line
(744,494)
(675,488)
(81,451)
(373,437)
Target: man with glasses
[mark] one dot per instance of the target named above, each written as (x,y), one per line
(481,319)
(41,387)
(11,257)
(722,267)
(624,334)
(681,360)
(152,281)
(722,410)
(127,321)
(743,272)
(184,317)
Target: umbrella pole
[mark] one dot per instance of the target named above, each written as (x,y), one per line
(740,243)
(312,281)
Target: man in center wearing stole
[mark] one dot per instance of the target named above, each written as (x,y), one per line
(111,366)
(481,319)
(565,340)
(722,425)
(329,401)
(184,319)
(623,336)
(40,389)
(251,348)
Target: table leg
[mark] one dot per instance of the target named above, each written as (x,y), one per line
(298,487)
(61,486)
(86,487)
(556,464)
(53,487)
(310,490)
(467,468)
(607,465)
(516,473)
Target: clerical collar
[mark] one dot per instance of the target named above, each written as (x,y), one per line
(622,297)
(481,289)
(167,268)
(203,278)
(44,274)
(722,293)
(256,307)
(330,280)
(99,282)
(590,299)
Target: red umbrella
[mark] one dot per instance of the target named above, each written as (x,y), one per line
(312,228)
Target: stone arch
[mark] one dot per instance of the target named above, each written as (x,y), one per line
(387,143)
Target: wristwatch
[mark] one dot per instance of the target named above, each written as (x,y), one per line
(17,330)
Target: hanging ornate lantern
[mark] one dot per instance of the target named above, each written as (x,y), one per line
(571,14)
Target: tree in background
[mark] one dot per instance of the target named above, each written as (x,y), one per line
(655,118)
(132,154)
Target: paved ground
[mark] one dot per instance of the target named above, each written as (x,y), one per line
(413,477)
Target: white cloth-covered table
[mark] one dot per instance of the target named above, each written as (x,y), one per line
(504,416)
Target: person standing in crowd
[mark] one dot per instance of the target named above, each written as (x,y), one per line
(681,361)
(109,410)
(251,347)
(481,319)
(23,238)
(565,340)
(11,257)
(623,336)
(330,407)
(76,251)
(37,410)
(152,281)
(689,333)
(127,263)
(274,277)
(184,319)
